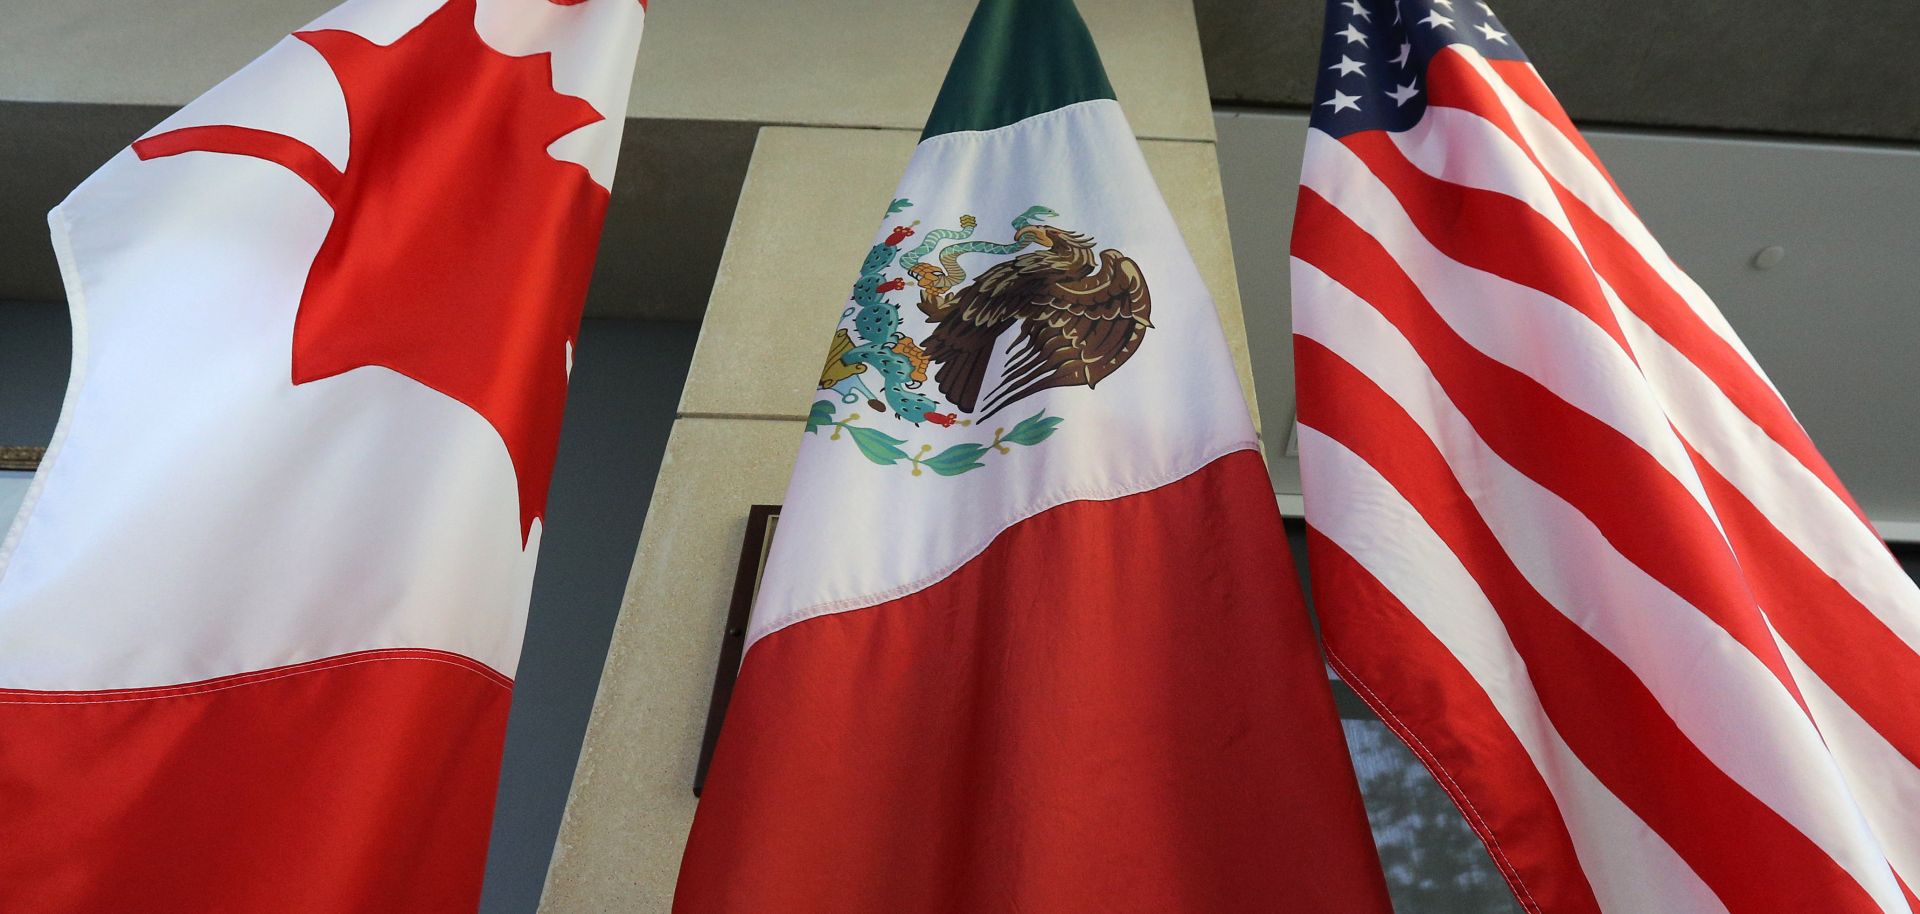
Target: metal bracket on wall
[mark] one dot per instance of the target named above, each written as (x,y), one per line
(20,457)
(761,519)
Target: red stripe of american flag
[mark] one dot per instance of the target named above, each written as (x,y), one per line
(1558,709)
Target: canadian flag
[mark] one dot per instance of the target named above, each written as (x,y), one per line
(260,613)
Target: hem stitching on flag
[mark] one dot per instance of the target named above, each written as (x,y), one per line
(13,533)
(1108,493)
(1442,776)
(1061,111)
(239,680)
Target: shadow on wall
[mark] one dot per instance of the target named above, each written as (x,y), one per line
(626,384)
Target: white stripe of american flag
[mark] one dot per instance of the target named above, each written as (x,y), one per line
(1656,260)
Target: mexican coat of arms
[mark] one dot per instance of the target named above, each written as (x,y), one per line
(1074,316)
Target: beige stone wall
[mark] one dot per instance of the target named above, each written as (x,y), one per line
(818,62)
(806,217)
(619,846)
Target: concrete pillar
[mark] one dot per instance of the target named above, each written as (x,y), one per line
(855,81)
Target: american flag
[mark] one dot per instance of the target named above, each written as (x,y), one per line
(1566,537)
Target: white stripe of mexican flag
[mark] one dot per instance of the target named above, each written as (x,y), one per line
(1029,638)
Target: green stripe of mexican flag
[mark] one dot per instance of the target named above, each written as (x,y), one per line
(1019,58)
(1028,638)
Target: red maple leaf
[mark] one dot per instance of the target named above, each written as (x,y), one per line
(460,249)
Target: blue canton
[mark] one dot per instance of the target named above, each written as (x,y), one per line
(1373,60)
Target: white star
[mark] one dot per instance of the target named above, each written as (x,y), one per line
(1358,10)
(1348,65)
(1403,94)
(1492,33)
(1396,12)
(1352,35)
(1406,50)
(1484,8)
(1435,20)
(1341,101)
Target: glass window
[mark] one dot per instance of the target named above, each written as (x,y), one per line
(1434,862)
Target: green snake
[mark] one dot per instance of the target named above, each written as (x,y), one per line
(952,274)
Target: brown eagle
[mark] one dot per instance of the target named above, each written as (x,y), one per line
(1081,317)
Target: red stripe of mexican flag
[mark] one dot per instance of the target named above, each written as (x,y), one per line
(1028,639)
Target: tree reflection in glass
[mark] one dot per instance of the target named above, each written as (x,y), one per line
(1434,862)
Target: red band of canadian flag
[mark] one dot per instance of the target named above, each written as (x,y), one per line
(261,611)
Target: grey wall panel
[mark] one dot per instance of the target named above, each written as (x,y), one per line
(35,345)
(1836,323)
(626,380)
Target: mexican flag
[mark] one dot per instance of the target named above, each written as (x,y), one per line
(260,613)
(1028,639)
